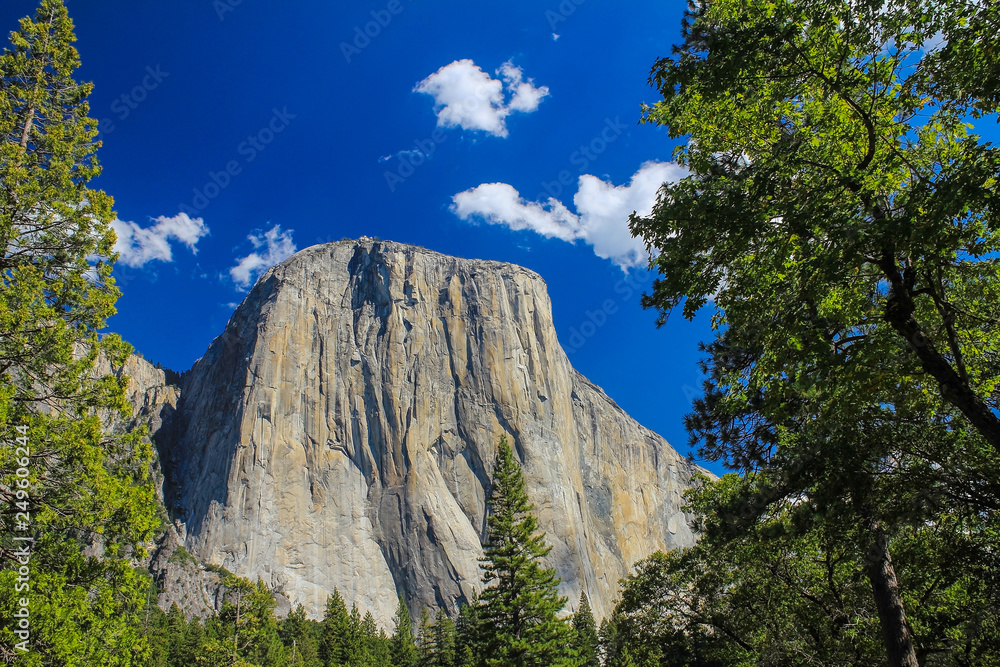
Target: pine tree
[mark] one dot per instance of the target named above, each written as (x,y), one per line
(194,641)
(467,634)
(296,633)
(356,649)
(519,606)
(84,487)
(585,629)
(371,642)
(404,649)
(177,627)
(381,650)
(336,632)
(606,638)
(425,640)
(158,632)
(246,630)
(444,640)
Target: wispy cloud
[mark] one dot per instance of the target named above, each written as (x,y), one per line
(467,97)
(137,246)
(411,154)
(601,218)
(271,247)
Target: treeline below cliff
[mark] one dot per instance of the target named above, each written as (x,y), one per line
(775,595)
(340,638)
(517,619)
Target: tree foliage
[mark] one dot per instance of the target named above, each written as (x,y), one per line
(245,632)
(301,639)
(779,595)
(86,488)
(404,648)
(518,610)
(585,640)
(840,215)
(335,640)
(837,213)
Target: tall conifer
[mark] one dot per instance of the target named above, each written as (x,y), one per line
(404,649)
(467,634)
(425,640)
(333,648)
(297,635)
(444,640)
(519,606)
(585,629)
(80,485)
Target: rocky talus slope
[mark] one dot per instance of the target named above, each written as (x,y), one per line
(340,432)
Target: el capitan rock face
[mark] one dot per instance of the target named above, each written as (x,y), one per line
(341,430)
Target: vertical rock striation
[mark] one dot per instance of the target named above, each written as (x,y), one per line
(340,432)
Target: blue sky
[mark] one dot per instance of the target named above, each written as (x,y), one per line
(237,131)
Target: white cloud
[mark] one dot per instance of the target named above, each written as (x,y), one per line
(602,211)
(525,97)
(272,247)
(501,204)
(136,246)
(605,209)
(467,97)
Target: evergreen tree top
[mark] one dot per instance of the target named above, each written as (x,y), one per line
(512,529)
(517,615)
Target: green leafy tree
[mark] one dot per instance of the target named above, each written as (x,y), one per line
(749,601)
(404,649)
(247,632)
(777,594)
(819,159)
(518,609)
(840,216)
(84,486)
(586,641)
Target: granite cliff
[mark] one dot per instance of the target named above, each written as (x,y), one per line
(340,432)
